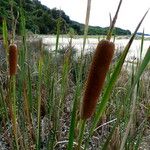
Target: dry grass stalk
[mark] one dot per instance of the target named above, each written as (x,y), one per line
(115,140)
(99,67)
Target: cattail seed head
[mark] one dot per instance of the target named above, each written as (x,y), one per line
(13,53)
(96,77)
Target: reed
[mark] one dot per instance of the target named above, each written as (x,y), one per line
(13,54)
(5,39)
(95,81)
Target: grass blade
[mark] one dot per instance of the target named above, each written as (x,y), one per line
(113,22)
(39,105)
(86,25)
(5,39)
(142,44)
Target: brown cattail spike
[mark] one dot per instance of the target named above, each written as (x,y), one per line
(97,73)
(13,59)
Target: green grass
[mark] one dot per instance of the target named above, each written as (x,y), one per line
(40,106)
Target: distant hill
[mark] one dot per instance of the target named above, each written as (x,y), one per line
(140,33)
(43,20)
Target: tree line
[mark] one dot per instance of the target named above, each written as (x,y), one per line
(42,20)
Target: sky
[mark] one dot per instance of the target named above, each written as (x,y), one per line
(129,16)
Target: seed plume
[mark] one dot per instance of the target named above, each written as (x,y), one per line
(96,77)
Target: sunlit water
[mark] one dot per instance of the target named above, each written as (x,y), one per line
(91,43)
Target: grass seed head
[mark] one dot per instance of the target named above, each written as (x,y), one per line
(96,77)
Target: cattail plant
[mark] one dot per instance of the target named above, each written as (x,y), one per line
(12,90)
(97,73)
(13,52)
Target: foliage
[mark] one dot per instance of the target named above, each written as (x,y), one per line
(42,20)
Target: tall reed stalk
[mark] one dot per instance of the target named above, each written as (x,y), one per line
(13,54)
(38,144)
(79,85)
(86,25)
(5,40)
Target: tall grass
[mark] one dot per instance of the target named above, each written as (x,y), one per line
(40,103)
(5,39)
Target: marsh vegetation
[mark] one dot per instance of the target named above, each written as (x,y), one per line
(43,90)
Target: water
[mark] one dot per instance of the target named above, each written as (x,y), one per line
(91,43)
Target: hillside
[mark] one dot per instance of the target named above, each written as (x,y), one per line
(43,20)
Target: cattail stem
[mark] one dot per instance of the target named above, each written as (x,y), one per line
(99,67)
(12,98)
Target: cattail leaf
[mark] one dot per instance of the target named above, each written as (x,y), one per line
(142,44)
(5,39)
(39,104)
(140,70)
(112,25)
(5,35)
(86,25)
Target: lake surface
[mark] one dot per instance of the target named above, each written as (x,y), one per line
(91,43)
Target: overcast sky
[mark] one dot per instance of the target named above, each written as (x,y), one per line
(130,14)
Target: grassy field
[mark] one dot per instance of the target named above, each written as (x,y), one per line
(42,96)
